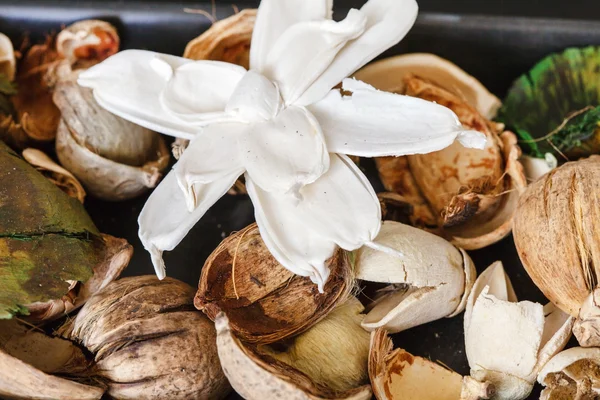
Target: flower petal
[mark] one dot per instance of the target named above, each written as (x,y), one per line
(275,16)
(339,208)
(373,123)
(315,45)
(212,155)
(165,219)
(255,98)
(131,84)
(388,21)
(285,153)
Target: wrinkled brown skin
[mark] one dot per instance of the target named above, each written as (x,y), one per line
(271,303)
(149,342)
(556,233)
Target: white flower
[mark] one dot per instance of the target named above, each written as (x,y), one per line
(281,125)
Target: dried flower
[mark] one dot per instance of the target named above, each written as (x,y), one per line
(87,42)
(572,374)
(509,342)
(7,58)
(280,124)
(431,281)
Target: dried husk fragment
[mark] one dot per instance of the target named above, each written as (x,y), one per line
(509,342)
(52,256)
(263,301)
(329,361)
(431,281)
(471,194)
(556,236)
(55,173)
(114,158)
(572,374)
(398,375)
(87,42)
(149,342)
(7,58)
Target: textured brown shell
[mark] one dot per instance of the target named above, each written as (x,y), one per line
(557,233)
(263,301)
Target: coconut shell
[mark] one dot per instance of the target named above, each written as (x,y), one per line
(555,233)
(263,301)
(149,342)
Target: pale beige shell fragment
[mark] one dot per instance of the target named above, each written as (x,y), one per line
(7,57)
(388,74)
(508,342)
(258,373)
(431,281)
(585,328)
(572,374)
(398,375)
(55,173)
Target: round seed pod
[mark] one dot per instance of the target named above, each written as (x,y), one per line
(149,342)
(263,301)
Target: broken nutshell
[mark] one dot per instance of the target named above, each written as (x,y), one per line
(572,374)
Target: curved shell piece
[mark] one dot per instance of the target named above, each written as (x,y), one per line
(88,40)
(430,282)
(57,174)
(257,376)
(508,342)
(388,74)
(226,40)
(7,57)
(398,375)
(572,374)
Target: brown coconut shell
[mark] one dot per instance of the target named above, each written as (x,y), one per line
(263,301)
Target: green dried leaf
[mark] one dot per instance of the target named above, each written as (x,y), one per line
(540,100)
(46,237)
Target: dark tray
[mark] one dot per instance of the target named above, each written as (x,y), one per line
(494,49)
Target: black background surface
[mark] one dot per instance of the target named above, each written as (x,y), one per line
(494,49)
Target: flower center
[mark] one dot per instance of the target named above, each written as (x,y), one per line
(255,99)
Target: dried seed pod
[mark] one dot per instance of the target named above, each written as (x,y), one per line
(555,235)
(114,158)
(431,281)
(87,41)
(388,74)
(149,342)
(471,194)
(53,256)
(509,342)
(304,370)
(7,58)
(226,40)
(55,173)
(572,374)
(263,301)
(398,375)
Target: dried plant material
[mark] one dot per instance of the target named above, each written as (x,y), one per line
(388,74)
(264,301)
(7,58)
(20,380)
(149,342)
(114,158)
(87,42)
(430,281)
(55,173)
(535,168)
(572,374)
(329,361)
(398,375)
(555,235)
(468,195)
(52,256)
(226,40)
(509,342)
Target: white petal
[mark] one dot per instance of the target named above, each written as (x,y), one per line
(255,98)
(340,208)
(314,44)
(286,153)
(165,219)
(131,84)
(388,21)
(212,155)
(373,123)
(275,16)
